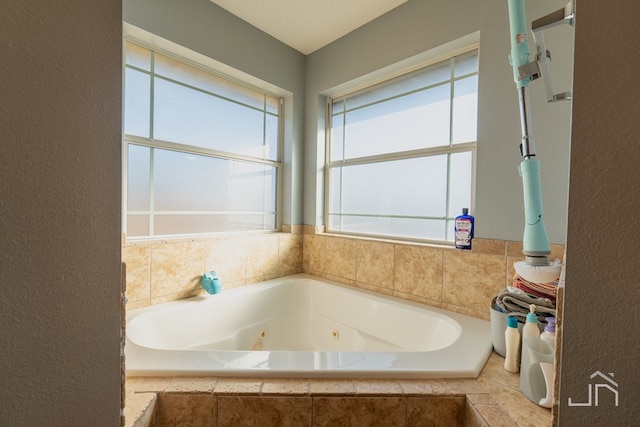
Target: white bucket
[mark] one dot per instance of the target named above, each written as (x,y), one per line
(498,326)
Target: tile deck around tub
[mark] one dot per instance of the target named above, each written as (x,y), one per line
(493,399)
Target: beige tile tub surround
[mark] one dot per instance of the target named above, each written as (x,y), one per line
(489,400)
(138,276)
(228,256)
(262,256)
(418,272)
(161,271)
(471,280)
(176,269)
(378,257)
(340,258)
(460,281)
(313,254)
(290,254)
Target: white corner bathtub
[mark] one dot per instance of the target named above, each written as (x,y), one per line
(302,326)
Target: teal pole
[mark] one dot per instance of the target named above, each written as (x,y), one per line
(535,243)
(519,43)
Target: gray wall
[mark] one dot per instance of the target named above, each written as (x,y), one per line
(601,323)
(60,139)
(212,31)
(419,26)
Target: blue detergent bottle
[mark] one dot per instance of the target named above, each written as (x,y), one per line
(463,230)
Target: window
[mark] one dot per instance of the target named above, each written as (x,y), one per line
(401,154)
(202,151)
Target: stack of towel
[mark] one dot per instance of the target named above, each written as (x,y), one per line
(517,303)
(542,290)
(531,285)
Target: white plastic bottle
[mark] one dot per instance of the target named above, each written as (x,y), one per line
(531,326)
(512,344)
(549,333)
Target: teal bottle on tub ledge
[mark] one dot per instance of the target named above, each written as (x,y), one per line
(463,230)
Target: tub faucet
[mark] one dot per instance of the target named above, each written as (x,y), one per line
(211,283)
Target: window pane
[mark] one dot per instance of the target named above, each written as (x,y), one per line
(196,194)
(414,187)
(402,227)
(337,137)
(271,104)
(137,101)
(415,81)
(271,137)
(188,182)
(465,110)
(335,202)
(251,187)
(195,118)
(466,64)
(212,223)
(137,225)
(450,230)
(460,183)
(419,120)
(138,179)
(192,76)
(137,56)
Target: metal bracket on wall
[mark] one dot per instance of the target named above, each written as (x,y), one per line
(564,16)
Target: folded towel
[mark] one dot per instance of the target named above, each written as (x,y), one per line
(535,291)
(517,304)
(549,289)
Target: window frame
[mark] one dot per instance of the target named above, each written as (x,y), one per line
(153,143)
(448,149)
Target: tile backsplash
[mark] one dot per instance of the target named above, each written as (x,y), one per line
(460,281)
(161,271)
(444,277)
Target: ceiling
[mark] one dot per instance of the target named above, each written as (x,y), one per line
(308,25)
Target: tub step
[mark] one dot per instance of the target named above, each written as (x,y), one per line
(140,410)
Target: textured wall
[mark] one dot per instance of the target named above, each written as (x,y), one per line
(60,115)
(600,331)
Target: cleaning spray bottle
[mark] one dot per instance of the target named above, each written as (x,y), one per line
(512,345)
(531,328)
(463,230)
(549,333)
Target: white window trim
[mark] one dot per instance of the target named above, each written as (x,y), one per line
(469,44)
(158,44)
